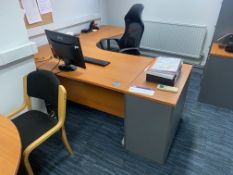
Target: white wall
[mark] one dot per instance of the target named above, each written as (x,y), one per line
(104,14)
(197,12)
(68,15)
(9,21)
(69,9)
(13,34)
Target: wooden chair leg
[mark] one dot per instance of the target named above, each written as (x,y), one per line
(27,164)
(65,140)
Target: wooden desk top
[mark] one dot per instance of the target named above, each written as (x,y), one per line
(126,69)
(123,68)
(218,51)
(163,97)
(10,147)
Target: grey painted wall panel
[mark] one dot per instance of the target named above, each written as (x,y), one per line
(217,83)
(225,20)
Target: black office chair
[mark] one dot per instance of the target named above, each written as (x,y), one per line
(34,126)
(134,27)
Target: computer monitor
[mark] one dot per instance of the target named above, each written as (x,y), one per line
(67,48)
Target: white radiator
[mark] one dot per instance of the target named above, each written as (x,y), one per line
(178,39)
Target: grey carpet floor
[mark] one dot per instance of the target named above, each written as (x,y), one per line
(203,144)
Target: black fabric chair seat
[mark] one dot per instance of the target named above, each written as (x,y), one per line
(33,124)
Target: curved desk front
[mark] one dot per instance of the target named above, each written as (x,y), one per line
(10,147)
(96,87)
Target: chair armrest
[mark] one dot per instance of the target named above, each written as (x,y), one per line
(108,42)
(129,49)
(21,108)
(116,38)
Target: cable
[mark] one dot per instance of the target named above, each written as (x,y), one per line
(58,72)
(55,65)
(38,67)
(43,60)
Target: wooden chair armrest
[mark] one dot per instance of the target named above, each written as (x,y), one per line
(21,108)
(43,138)
(36,143)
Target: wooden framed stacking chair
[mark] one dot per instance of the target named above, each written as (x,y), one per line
(34,126)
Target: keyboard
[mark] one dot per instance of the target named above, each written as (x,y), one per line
(96,61)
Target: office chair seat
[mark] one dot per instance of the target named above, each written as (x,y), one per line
(33,124)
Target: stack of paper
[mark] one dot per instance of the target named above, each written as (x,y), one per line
(165,70)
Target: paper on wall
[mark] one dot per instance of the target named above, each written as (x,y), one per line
(44,6)
(31,11)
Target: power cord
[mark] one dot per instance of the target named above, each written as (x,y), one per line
(56,65)
(42,61)
(56,73)
(38,60)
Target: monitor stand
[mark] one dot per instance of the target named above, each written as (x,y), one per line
(67,67)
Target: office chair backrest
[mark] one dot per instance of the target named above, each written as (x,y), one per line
(134,28)
(44,85)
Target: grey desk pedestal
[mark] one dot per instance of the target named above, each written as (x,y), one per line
(150,126)
(217,82)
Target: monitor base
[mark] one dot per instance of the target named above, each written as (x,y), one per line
(67,68)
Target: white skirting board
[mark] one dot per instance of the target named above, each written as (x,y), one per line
(17,53)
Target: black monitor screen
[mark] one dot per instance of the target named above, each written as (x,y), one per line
(67,48)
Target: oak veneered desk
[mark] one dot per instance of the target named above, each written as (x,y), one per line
(94,87)
(216,50)
(96,80)
(10,147)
